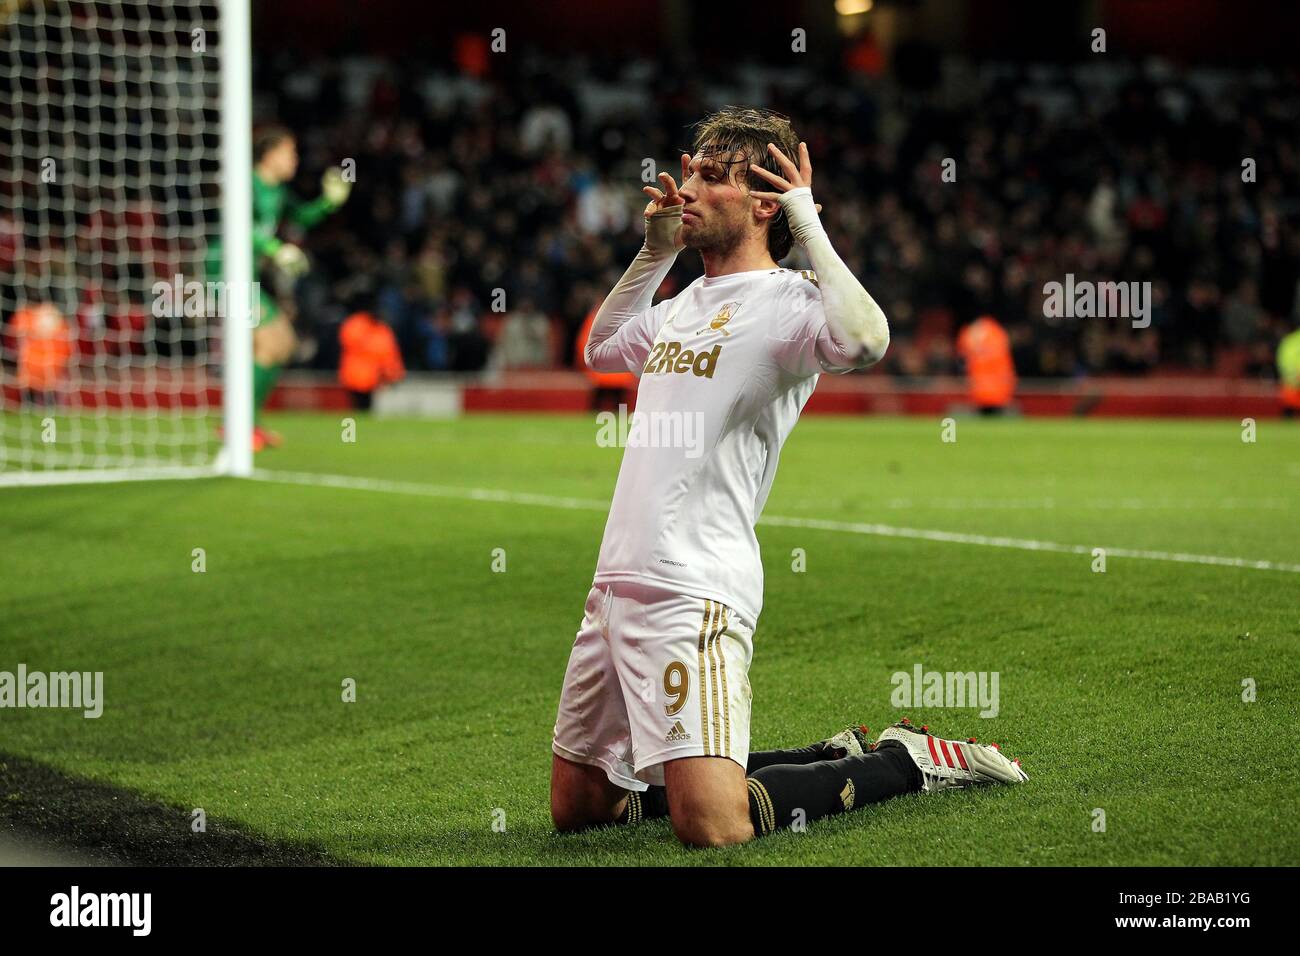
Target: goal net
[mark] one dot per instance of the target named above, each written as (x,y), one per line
(111,321)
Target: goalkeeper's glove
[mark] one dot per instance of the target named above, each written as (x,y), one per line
(290,260)
(334,187)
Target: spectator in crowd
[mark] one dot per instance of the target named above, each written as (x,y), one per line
(525,339)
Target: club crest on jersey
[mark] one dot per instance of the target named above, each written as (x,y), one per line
(722,318)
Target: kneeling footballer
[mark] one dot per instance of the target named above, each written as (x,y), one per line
(655,709)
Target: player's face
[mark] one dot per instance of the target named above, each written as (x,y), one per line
(718,209)
(282,160)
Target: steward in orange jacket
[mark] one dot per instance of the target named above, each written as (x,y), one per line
(986,349)
(44,344)
(370,357)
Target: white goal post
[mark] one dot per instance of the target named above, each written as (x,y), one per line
(126,272)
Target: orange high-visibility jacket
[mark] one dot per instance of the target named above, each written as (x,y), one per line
(44,346)
(985,347)
(1288,370)
(370,356)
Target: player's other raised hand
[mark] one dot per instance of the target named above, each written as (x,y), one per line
(664,233)
(796,192)
(334,187)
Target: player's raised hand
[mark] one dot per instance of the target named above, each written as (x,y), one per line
(795,176)
(661,199)
(666,200)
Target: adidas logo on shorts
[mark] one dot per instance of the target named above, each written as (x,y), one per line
(678,732)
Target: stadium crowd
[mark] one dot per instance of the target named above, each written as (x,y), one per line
(529,182)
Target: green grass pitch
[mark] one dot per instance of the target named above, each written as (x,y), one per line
(1120,691)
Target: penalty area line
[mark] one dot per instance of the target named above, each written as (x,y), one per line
(843,527)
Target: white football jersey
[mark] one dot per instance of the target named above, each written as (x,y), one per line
(725,367)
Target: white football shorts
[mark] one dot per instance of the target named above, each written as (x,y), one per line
(654,676)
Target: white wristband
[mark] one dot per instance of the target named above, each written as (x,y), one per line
(801,213)
(661,230)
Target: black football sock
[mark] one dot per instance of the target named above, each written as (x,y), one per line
(779,792)
(648,805)
(813,753)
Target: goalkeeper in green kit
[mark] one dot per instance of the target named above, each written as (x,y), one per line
(275,163)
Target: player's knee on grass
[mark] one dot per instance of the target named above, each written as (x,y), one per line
(711,822)
(582,796)
(707,801)
(719,829)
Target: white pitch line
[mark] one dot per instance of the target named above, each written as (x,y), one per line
(88,476)
(430,491)
(1025,544)
(844,527)
(1100,504)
